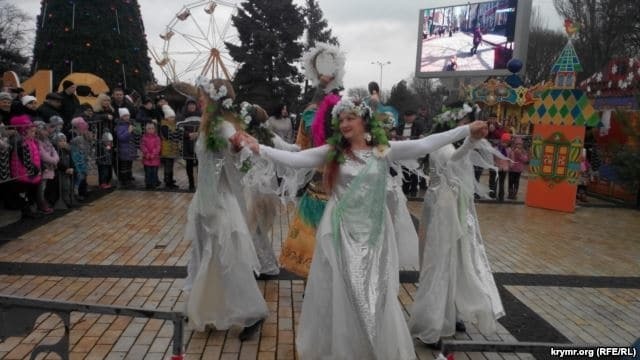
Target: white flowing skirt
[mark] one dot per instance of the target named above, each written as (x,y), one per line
(456,282)
(261,212)
(221,287)
(351,308)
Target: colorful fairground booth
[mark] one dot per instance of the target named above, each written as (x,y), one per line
(507,100)
(614,92)
(559,117)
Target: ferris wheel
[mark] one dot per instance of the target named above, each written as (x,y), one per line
(194,42)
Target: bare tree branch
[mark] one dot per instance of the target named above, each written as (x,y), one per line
(608,28)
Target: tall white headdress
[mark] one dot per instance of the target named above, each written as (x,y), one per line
(325,59)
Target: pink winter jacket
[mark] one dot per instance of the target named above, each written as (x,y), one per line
(18,169)
(150,146)
(519,160)
(49,157)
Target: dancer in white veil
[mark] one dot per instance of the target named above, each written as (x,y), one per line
(221,288)
(456,282)
(351,309)
(262,205)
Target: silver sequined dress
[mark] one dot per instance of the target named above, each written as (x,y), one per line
(351,308)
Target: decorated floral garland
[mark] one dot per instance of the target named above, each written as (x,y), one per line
(208,87)
(452,115)
(221,103)
(263,134)
(377,136)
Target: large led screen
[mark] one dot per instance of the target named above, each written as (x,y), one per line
(472,38)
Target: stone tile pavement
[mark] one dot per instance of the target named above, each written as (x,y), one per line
(130,234)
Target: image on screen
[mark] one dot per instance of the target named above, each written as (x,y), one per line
(470,37)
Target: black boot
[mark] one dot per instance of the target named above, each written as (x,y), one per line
(436,345)
(192,183)
(250,330)
(30,214)
(169,182)
(460,327)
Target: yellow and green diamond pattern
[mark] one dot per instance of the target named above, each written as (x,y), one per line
(562,107)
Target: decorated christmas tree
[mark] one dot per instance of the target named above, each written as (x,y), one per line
(102,37)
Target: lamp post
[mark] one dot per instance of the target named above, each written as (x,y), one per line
(381,64)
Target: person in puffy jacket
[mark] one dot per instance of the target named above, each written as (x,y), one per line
(503,168)
(150,147)
(80,152)
(63,188)
(25,162)
(49,158)
(126,147)
(189,124)
(104,160)
(519,158)
(171,137)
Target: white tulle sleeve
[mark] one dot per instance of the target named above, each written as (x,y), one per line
(279,143)
(463,150)
(310,158)
(413,149)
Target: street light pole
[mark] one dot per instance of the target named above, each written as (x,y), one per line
(381,64)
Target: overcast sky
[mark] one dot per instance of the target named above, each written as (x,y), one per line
(368,31)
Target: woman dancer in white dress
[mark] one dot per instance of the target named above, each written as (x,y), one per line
(456,282)
(351,309)
(262,205)
(222,290)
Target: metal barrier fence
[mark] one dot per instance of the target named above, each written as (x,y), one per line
(18,318)
(176,143)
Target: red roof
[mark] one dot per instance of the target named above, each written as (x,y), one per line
(620,78)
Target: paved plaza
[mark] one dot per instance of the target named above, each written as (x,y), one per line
(569,278)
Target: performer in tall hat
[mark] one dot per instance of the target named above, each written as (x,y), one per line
(324,67)
(456,282)
(351,308)
(221,288)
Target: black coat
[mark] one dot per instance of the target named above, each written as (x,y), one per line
(145,116)
(190,126)
(127,104)
(65,162)
(19,109)
(418,128)
(5,116)
(70,105)
(46,111)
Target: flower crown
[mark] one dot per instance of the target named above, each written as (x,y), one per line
(206,85)
(246,112)
(346,104)
(450,116)
(377,136)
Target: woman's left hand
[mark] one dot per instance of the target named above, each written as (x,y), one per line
(252,143)
(478,129)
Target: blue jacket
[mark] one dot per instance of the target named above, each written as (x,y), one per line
(126,146)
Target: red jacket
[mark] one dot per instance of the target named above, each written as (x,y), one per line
(150,146)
